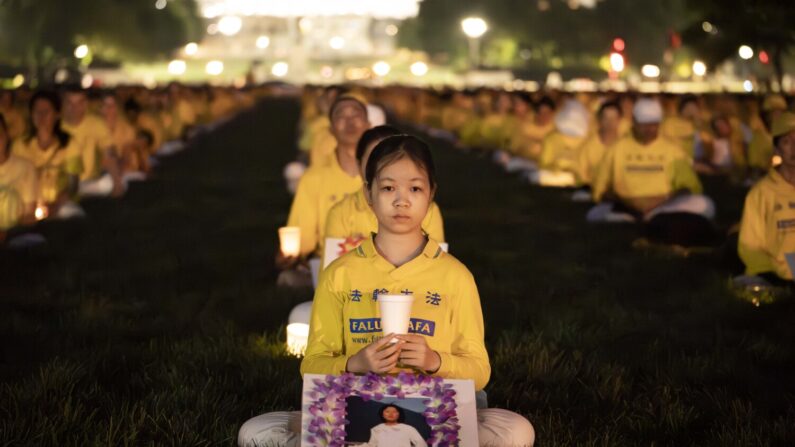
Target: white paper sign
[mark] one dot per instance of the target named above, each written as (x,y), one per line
(353,409)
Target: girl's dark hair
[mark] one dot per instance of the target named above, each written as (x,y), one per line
(391,149)
(401,416)
(544,101)
(53,98)
(375,134)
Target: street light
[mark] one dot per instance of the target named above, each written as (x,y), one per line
(699,68)
(745,52)
(474,28)
(419,68)
(81,51)
(650,71)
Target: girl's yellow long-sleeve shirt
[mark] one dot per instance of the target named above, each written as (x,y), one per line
(320,188)
(446,311)
(352,217)
(767,229)
(632,170)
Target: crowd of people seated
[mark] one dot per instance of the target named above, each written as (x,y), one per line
(639,158)
(58,146)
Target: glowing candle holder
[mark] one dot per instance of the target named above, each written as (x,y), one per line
(290,241)
(41,212)
(297,336)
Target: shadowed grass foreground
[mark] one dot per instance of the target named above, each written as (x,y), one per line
(156,320)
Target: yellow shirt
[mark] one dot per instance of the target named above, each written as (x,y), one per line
(632,170)
(122,135)
(446,310)
(352,217)
(528,137)
(53,165)
(767,230)
(561,152)
(495,130)
(681,131)
(18,190)
(591,155)
(92,137)
(760,150)
(15,121)
(454,118)
(320,188)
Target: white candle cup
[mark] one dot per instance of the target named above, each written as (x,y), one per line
(395,313)
(290,241)
(297,336)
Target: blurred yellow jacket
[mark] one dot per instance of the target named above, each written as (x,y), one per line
(19,189)
(320,188)
(767,230)
(53,165)
(561,152)
(446,310)
(92,137)
(760,150)
(632,170)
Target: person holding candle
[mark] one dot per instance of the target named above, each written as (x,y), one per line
(323,186)
(445,336)
(18,186)
(53,153)
(352,217)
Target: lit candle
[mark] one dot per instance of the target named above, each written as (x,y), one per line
(290,241)
(41,211)
(297,335)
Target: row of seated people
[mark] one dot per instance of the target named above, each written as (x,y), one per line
(639,158)
(57,147)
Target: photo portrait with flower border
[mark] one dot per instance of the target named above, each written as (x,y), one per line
(449,406)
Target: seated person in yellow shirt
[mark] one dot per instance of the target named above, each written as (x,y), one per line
(18,186)
(321,187)
(529,136)
(593,150)
(353,219)
(647,178)
(399,259)
(53,153)
(760,149)
(767,229)
(101,172)
(559,161)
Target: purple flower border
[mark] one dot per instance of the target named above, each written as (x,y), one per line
(327,408)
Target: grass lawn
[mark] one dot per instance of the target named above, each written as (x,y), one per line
(156,320)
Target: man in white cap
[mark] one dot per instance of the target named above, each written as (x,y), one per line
(650,179)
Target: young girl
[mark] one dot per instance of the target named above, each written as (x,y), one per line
(446,339)
(352,217)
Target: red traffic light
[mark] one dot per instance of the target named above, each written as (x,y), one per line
(618,44)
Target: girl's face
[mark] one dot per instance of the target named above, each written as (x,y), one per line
(400,196)
(390,414)
(786,149)
(44,115)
